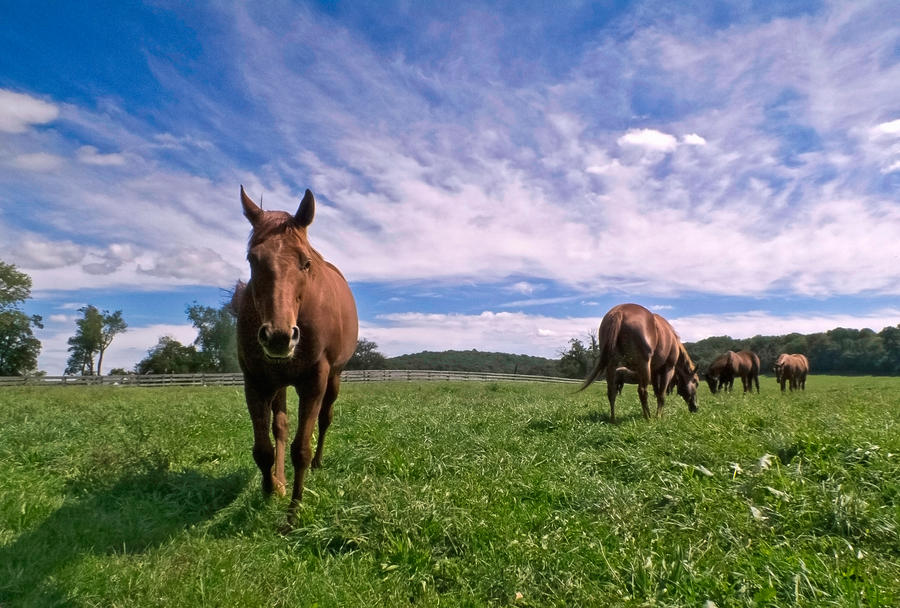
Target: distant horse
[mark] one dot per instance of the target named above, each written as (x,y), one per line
(296,326)
(792,369)
(626,376)
(725,367)
(647,344)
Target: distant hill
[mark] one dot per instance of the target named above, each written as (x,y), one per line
(476,361)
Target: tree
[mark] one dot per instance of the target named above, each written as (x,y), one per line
(94,333)
(366,356)
(216,337)
(19,348)
(170,356)
(579,359)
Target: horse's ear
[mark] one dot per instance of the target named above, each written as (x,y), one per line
(251,210)
(306,210)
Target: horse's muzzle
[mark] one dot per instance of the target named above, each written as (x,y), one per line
(278,344)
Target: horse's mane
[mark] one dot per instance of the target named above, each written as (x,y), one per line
(273,223)
(685,355)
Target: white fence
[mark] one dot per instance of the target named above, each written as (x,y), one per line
(368,375)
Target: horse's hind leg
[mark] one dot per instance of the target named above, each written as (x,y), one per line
(279,430)
(326,414)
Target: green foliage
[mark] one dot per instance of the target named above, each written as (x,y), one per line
(366,356)
(579,359)
(476,361)
(94,332)
(19,349)
(170,356)
(216,338)
(455,494)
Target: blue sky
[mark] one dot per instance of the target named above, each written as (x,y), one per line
(488,175)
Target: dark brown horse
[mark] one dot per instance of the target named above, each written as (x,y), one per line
(626,376)
(297,326)
(792,369)
(647,344)
(722,371)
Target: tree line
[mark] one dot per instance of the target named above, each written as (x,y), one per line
(838,351)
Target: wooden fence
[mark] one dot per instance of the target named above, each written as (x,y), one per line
(368,375)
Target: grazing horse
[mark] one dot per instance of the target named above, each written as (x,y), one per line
(792,369)
(647,344)
(296,326)
(626,376)
(725,367)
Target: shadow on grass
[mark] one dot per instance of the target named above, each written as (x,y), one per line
(135,514)
(598,416)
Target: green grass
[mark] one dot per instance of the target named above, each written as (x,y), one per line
(456,494)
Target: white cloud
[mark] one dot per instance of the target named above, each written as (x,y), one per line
(34,253)
(752,323)
(649,139)
(522,287)
(693,139)
(91,156)
(890,129)
(37,162)
(19,111)
(540,335)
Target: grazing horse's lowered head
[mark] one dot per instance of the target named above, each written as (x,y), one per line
(686,378)
(281,261)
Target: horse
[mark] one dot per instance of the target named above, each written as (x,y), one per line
(791,369)
(725,367)
(626,376)
(647,344)
(296,326)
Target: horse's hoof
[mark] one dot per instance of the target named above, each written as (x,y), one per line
(280,488)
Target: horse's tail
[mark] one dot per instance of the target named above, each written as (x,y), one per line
(607,338)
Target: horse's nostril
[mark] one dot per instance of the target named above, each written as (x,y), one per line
(264,334)
(295,333)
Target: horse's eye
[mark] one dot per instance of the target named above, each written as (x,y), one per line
(304,264)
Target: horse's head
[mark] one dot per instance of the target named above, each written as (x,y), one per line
(281,262)
(686,379)
(712,380)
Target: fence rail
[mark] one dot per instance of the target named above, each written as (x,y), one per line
(368,375)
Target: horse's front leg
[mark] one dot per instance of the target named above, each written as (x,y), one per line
(611,392)
(644,380)
(259,404)
(660,384)
(311,394)
(279,430)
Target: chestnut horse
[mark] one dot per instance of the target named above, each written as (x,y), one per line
(297,326)
(647,344)
(792,369)
(725,367)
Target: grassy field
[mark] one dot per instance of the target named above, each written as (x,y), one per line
(456,495)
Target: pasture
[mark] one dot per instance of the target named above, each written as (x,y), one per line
(456,494)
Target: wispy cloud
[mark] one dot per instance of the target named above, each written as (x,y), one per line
(662,154)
